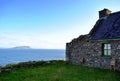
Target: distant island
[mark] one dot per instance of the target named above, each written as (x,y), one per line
(22,47)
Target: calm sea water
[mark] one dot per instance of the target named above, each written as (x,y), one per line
(8,56)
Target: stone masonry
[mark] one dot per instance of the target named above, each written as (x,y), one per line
(92,52)
(92,48)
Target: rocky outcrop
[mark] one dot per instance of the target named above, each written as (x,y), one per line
(22,47)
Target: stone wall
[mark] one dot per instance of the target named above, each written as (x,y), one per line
(92,53)
(11,67)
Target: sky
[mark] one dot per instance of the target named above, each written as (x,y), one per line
(48,24)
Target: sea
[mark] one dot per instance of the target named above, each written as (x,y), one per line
(13,56)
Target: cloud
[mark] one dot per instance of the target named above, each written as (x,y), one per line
(8,42)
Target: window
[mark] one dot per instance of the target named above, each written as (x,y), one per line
(106,49)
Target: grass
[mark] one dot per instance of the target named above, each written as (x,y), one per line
(59,71)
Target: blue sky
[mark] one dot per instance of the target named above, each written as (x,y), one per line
(48,23)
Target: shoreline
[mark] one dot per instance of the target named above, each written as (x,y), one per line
(10,67)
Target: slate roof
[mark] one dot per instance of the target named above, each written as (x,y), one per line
(107,27)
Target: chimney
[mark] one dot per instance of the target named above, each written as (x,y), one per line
(104,12)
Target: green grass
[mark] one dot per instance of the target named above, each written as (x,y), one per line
(60,71)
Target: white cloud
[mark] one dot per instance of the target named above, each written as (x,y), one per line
(53,39)
(8,42)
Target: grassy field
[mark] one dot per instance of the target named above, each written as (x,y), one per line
(59,71)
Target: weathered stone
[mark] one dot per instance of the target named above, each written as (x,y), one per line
(92,51)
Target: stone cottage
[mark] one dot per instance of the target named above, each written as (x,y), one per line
(100,46)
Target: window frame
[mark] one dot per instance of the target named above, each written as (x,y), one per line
(106,49)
